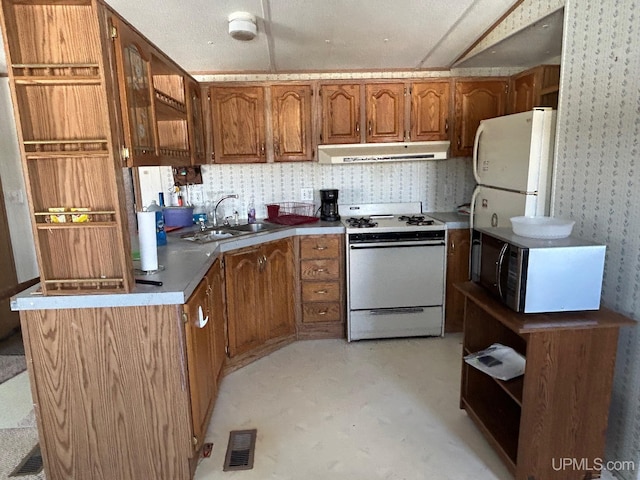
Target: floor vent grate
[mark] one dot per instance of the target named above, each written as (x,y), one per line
(31,465)
(242,444)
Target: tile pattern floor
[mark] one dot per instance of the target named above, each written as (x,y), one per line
(326,409)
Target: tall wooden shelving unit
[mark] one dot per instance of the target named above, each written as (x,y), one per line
(56,55)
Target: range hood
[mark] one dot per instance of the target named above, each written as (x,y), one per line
(354,153)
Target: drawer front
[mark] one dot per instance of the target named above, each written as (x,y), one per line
(322,246)
(321,312)
(320,269)
(320,292)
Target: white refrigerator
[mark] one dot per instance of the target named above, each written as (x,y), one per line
(512,164)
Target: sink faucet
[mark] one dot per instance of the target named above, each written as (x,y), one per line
(215,209)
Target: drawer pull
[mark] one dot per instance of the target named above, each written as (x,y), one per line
(321,292)
(323,312)
(319,248)
(319,270)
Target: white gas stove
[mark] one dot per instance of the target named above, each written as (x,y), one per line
(387,217)
(395,271)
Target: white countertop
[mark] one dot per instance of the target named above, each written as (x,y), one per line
(185,264)
(452,219)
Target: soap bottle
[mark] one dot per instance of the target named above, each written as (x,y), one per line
(251,212)
(161,235)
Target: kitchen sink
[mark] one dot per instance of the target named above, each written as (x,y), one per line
(254,227)
(215,234)
(209,235)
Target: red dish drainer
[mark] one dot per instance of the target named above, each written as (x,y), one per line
(291,213)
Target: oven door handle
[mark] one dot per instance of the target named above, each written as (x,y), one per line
(362,246)
(501,257)
(399,310)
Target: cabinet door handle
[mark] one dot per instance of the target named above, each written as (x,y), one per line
(446,125)
(358,127)
(276,148)
(321,292)
(459,142)
(202,320)
(370,127)
(262,149)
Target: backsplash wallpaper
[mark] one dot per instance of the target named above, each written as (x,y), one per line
(598,180)
(439,185)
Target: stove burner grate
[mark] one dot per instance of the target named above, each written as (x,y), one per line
(361,222)
(415,220)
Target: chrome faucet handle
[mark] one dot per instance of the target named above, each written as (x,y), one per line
(203,225)
(226,221)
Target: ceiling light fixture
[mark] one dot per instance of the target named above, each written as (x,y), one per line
(242,26)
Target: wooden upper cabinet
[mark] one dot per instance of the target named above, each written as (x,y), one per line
(237,115)
(196,123)
(385,111)
(136,91)
(429,111)
(340,113)
(536,87)
(522,97)
(155,107)
(291,121)
(475,100)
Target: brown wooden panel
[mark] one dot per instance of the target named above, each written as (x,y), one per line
(385,112)
(340,113)
(278,290)
(459,243)
(320,291)
(55,183)
(320,246)
(320,269)
(429,111)
(291,117)
(69,33)
(567,391)
(59,112)
(321,312)
(110,392)
(76,253)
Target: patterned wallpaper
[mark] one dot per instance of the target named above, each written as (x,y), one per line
(598,179)
(439,185)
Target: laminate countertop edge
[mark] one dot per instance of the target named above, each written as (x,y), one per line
(185,264)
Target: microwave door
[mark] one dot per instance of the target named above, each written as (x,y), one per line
(492,254)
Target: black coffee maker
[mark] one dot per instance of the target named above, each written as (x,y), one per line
(329,205)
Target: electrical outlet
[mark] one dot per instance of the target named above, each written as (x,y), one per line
(15,196)
(306,194)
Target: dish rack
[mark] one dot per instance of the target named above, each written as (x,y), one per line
(291,213)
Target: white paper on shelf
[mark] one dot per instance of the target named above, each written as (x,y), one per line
(498,361)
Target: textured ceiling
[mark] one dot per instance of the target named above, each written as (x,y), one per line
(334,35)
(311,35)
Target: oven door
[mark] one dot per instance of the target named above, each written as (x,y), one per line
(396,274)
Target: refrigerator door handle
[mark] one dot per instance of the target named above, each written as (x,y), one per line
(476,142)
(476,192)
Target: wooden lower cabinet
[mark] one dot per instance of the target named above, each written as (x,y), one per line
(322,302)
(259,286)
(205,346)
(458,247)
(111,392)
(559,407)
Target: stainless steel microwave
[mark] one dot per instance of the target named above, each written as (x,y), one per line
(534,275)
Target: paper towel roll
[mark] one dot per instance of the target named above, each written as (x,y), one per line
(148,241)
